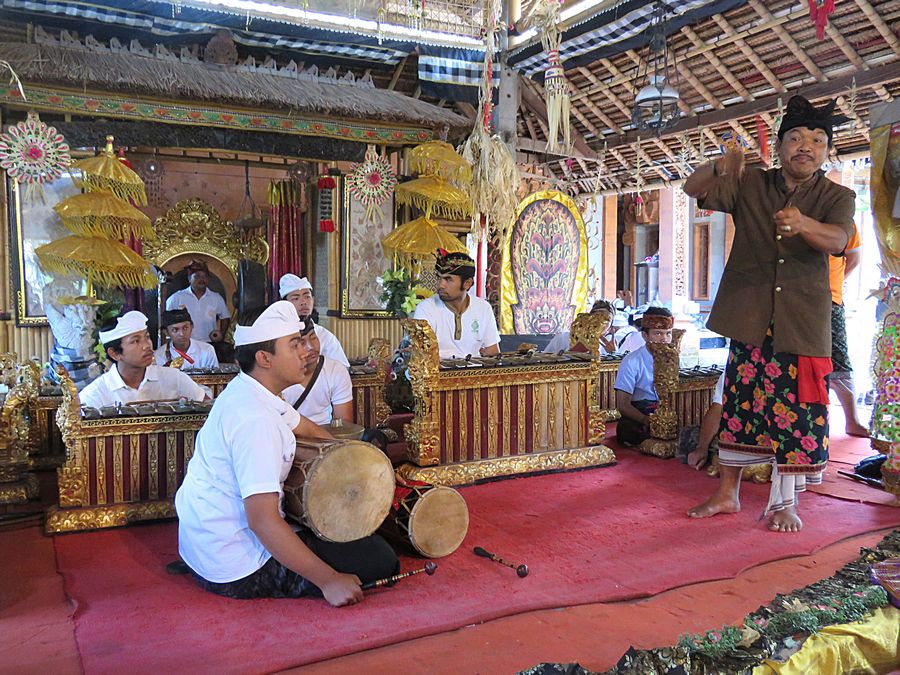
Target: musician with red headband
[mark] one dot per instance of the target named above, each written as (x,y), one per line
(194,354)
(774,303)
(463,324)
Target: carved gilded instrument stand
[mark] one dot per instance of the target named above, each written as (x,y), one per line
(488,421)
(663,441)
(369,406)
(118,470)
(17,486)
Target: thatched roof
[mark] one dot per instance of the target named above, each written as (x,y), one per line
(172,79)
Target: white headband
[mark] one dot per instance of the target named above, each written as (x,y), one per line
(279,319)
(290,283)
(128,323)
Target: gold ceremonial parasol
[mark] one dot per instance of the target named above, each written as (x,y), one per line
(104,262)
(101,214)
(107,172)
(438,157)
(420,238)
(433,194)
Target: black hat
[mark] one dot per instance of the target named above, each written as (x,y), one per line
(174,316)
(459,264)
(802,113)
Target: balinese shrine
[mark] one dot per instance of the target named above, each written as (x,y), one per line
(516,284)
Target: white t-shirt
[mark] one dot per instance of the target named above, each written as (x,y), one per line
(623,333)
(632,342)
(245,447)
(204,311)
(635,375)
(562,341)
(332,388)
(479,327)
(330,347)
(202,353)
(159,384)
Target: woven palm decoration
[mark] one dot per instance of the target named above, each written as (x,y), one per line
(372,183)
(546,19)
(33,153)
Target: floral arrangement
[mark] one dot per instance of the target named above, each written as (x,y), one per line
(399,295)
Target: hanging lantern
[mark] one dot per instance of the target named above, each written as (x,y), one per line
(656,103)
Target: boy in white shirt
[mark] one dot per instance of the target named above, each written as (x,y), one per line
(299,292)
(134,377)
(231,530)
(463,324)
(636,395)
(194,354)
(561,341)
(330,392)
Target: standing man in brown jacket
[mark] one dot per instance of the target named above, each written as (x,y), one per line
(774,303)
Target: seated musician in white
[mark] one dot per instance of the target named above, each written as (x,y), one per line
(561,341)
(133,376)
(299,292)
(179,327)
(636,397)
(231,528)
(463,324)
(324,391)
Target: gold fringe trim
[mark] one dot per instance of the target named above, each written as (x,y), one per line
(101,275)
(109,227)
(125,191)
(442,209)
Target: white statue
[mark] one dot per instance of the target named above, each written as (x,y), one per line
(72,324)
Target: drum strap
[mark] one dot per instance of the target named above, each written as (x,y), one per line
(309,385)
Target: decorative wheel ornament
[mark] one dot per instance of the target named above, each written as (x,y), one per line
(372,183)
(33,153)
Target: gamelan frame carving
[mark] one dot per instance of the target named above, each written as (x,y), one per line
(429,383)
(75,511)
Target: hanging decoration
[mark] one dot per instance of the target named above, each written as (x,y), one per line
(656,103)
(107,172)
(556,88)
(33,153)
(639,181)
(372,182)
(326,186)
(418,239)
(151,172)
(249,216)
(495,177)
(819,11)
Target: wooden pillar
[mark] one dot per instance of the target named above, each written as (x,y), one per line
(673,247)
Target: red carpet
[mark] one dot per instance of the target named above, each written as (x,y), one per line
(591,536)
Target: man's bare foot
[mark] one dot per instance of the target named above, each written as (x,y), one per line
(715,504)
(857,430)
(786,520)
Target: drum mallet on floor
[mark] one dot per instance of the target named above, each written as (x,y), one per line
(429,569)
(521,570)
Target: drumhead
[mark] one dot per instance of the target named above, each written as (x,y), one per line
(438,522)
(348,491)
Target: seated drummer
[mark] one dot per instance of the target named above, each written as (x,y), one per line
(231,529)
(133,376)
(299,292)
(325,391)
(463,324)
(636,396)
(194,354)
(562,341)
